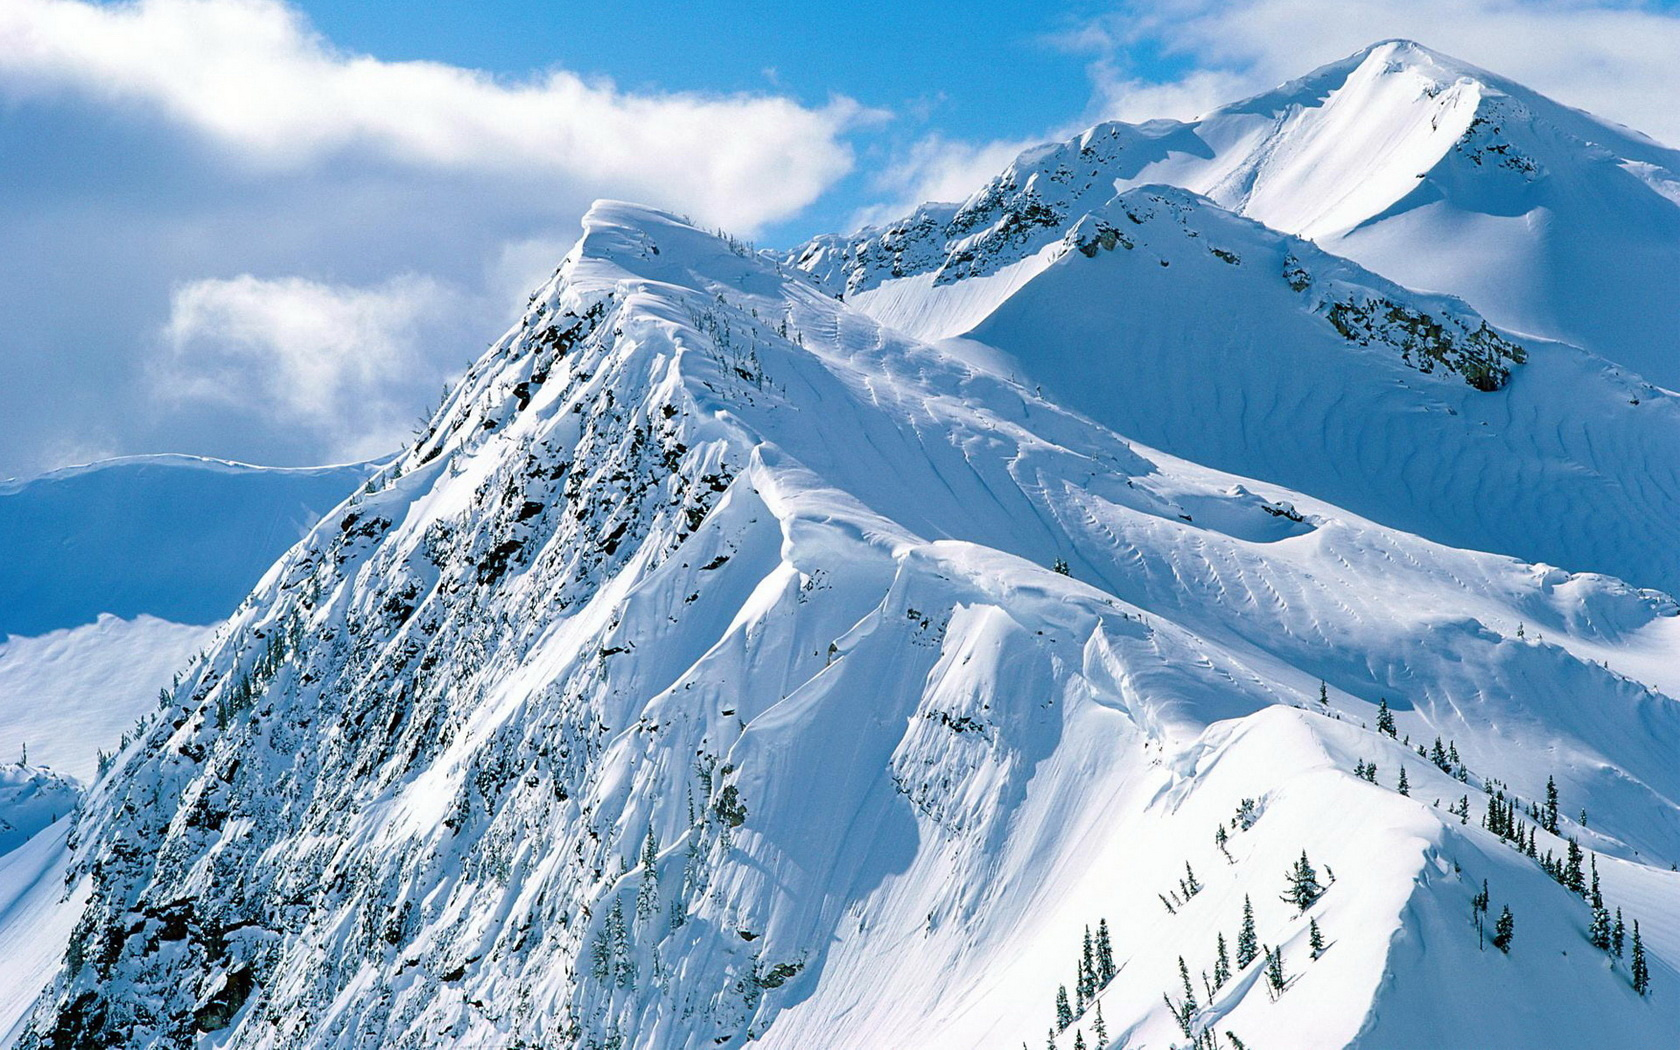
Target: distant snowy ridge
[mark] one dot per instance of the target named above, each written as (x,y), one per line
(182,538)
(1428,170)
(722,663)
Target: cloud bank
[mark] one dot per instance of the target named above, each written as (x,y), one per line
(227,234)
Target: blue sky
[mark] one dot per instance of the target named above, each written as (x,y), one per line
(978,71)
(272,230)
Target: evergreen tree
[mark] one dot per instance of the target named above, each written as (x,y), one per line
(1641,969)
(1101,1028)
(1385,718)
(1323,693)
(1504,930)
(1191,886)
(1064,1010)
(1438,755)
(1403,787)
(1079,1040)
(1105,954)
(1248,945)
(1304,888)
(1221,965)
(1551,810)
(1275,978)
(618,935)
(1315,939)
(1087,970)
(1600,933)
(1618,934)
(1572,876)
(647,898)
(1189,989)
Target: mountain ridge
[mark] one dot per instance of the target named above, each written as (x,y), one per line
(711,671)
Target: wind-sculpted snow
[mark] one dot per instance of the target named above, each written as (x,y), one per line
(1233,346)
(724,667)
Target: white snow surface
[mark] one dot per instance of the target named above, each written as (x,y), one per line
(701,678)
(71,693)
(1435,173)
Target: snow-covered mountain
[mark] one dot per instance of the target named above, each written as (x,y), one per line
(727,666)
(1426,169)
(114,574)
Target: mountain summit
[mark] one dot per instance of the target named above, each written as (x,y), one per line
(1426,169)
(729,664)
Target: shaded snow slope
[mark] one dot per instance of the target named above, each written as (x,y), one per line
(181,538)
(1207,334)
(701,678)
(1428,170)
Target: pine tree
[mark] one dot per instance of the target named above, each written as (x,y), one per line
(1248,945)
(1323,693)
(1221,965)
(1064,1011)
(618,936)
(1304,888)
(1105,954)
(1101,1028)
(1618,934)
(1641,969)
(1403,787)
(1572,876)
(1087,970)
(1189,989)
(1079,1040)
(1315,939)
(1504,930)
(1551,811)
(1600,932)
(1385,718)
(1438,755)
(1275,978)
(647,898)
(1191,886)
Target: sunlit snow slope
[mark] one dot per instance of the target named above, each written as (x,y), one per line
(703,678)
(1437,174)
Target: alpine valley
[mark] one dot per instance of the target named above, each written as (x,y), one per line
(1209,589)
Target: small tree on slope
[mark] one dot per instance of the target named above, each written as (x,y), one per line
(1304,888)
(1641,969)
(1504,930)
(1248,944)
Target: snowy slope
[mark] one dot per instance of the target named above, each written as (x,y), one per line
(181,538)
(702,678)
(1430,171)
(1234,346)
(70,693)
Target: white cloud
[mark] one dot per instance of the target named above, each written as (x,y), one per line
(341,362)
(252,76)
(1615,59)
